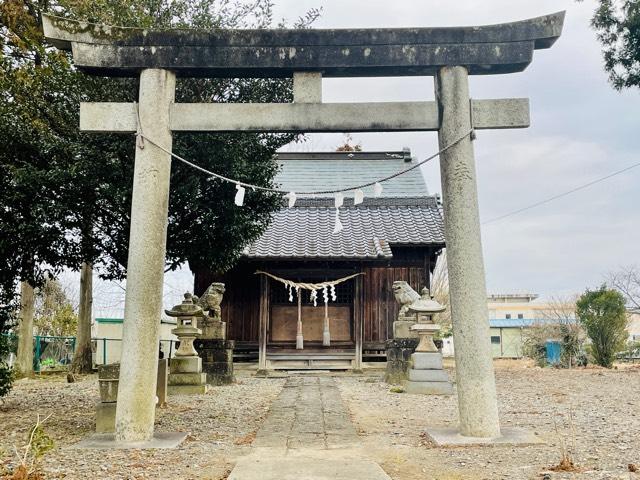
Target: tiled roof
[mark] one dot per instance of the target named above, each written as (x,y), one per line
(370,229)
(334,170)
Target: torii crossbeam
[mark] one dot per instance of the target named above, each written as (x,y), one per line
(448,54)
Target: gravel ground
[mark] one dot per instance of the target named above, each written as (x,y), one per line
(221,424)
(604,405)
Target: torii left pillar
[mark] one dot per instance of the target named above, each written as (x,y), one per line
(135,411)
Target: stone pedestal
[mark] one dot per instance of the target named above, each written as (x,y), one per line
(402,329)
(217,360)
(186,377)
(427,376)
(399,352)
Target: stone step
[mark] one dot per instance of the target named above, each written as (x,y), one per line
(429,388)
(428,375)
(187,379)
(187,389)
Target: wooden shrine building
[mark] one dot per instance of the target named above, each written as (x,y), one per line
(396,236)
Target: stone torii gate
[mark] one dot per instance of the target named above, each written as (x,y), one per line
(448,54)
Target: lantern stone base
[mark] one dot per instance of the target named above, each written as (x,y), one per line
(217,360)
(427,376)
(399,352)
(186,377)
(188,389)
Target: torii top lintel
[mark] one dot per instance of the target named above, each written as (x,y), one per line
(121,51)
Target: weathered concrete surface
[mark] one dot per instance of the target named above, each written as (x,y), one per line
(477,400)
(450,437)
(503,48)
(135,412)
(105,417)
(305,117)
(309,413)
(307,87)
(307,435)
(107,441)
(328,467)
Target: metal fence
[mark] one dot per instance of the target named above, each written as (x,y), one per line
(52,352)
(107,350)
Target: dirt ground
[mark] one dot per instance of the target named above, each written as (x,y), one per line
(604,405)
(603,435)
(221,426)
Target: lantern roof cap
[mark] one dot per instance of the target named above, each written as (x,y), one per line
(185,309)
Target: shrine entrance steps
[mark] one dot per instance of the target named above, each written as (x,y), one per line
(307,435)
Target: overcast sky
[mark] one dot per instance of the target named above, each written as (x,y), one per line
(581,129)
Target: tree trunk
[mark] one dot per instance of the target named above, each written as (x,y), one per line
(82,361)
(24,357)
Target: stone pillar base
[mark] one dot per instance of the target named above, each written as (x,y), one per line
(427,376)
(217,360)
(399,352)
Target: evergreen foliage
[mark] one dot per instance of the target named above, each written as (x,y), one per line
(65,196)
(602,313)
(617,23)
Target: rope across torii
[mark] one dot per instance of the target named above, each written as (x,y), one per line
(328,288)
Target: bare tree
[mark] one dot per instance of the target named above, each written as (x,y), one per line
(557,320)
(627,281)
(560,309)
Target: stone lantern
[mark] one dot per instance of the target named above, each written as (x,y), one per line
(185,376)
(424,310)
(426,375)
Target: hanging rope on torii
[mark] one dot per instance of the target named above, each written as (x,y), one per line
(328,289)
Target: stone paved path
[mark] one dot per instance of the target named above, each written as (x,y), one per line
(307,435)
(308,414)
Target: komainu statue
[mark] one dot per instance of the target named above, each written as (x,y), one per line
(212,324)
(405,296)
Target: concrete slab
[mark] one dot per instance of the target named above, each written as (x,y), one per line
(451,437)
(306,468)
(106,441)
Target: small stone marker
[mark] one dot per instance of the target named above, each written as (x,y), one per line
(163,379)
(108,381)
(106,407)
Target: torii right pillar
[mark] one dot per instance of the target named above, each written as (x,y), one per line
(477,399)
